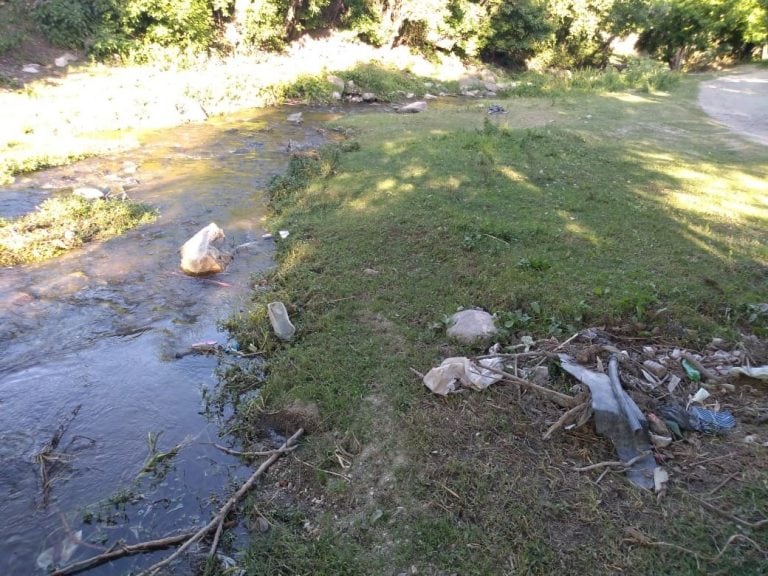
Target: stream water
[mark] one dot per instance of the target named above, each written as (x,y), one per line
(92,348)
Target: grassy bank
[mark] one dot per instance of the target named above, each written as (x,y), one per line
(628,210)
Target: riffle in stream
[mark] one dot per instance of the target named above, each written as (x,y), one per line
(93,348)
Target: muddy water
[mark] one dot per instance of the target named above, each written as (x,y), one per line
(92,348)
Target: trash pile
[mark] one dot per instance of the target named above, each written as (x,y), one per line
(642,398)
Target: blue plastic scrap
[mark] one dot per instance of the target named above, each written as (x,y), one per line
(698,419)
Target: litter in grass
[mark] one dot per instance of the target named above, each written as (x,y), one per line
(643,399)
(756,372)
(281,323)
(454,373)
(617,417)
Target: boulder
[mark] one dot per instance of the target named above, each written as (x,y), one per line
(413,107)
(89,193)
(369,97)
(471,326)
(352,88)
(200,254)
(295,118)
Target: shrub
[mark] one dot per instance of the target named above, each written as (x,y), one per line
(66,23)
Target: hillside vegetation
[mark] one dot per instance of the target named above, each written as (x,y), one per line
(561,33)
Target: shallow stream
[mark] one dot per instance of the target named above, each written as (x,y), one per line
(93,348)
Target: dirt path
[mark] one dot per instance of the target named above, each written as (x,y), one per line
(739,101)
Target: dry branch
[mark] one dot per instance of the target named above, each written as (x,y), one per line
(572,415)
(634,536)
(219,518)
(558,398)
(251,454)
(612,463)
(121,552)
(736,519)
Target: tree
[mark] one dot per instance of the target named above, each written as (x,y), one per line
(678,28)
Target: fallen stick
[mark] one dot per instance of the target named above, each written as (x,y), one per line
(214,524)
(723,483)
(558,398)
(634,536)
(617,463)
(121,552)
(565,418)
(264,453)
(725,514)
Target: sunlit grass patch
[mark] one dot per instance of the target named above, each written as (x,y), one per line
(639,74)
(63,223)
(631,213)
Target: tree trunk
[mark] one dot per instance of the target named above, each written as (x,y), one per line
(677,59)
(391,22)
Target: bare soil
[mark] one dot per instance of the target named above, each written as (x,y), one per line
(739,100)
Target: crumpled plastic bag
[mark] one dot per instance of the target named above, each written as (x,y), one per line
(757,372)
(457,372)
(61,552)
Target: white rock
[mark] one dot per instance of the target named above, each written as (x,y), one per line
(336,96)
(89,193)
(369,97)
(201,255)
(64,60)
(413,107)
(31,69)
(469,326)
(430,97)
(295,118)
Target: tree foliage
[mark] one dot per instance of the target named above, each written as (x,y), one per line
(677,28)
(561,33)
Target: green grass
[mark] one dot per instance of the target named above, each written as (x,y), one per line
(624,209)
(62,223)
(639,74)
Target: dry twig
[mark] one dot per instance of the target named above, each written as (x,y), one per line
(121,552)
(250,454)
(558,398)
(612,463)
(219,518)
(574,414)
(725,514)
(634,536)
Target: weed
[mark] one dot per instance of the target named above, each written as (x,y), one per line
(63,223)
(387,83)
(639,74)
